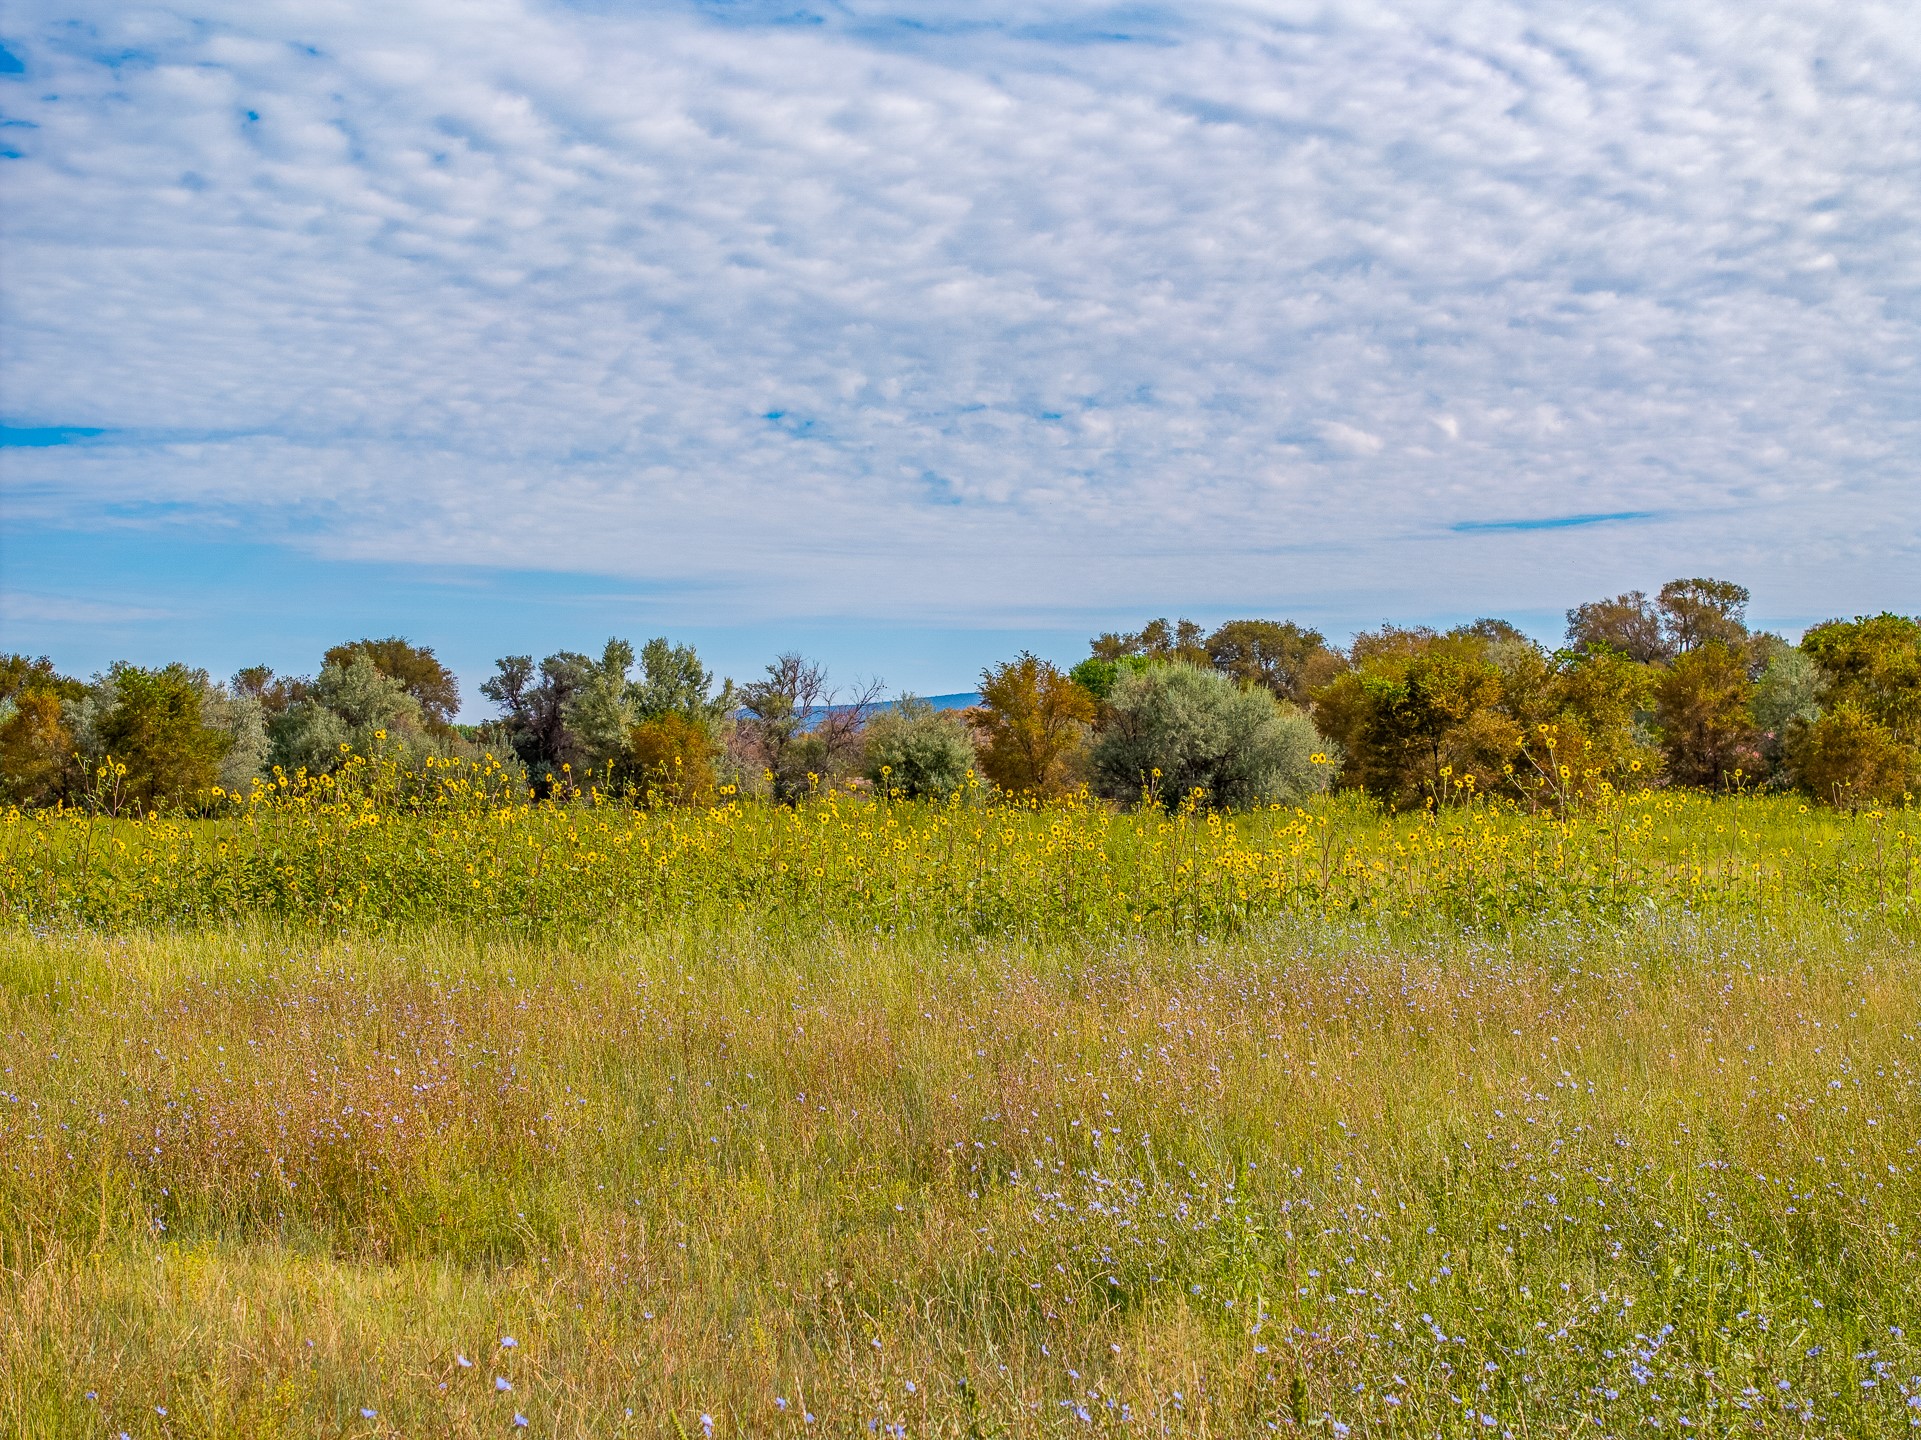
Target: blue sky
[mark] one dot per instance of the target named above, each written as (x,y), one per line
(914,333)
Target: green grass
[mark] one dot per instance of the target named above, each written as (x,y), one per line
(1574,1177)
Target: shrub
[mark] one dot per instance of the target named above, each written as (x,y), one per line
(1848,758)
(671,757)
(1417,713)
(1035,720)
(36,750)
(1701,710)
(352,704)
(1874,663)
(1176,729)
(1787,695)
(917,752)
(1098,677)
(152,722)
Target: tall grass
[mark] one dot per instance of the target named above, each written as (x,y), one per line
(426,1118)
(1579,1179)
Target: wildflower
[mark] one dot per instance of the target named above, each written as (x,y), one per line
(463,1362)
(502,1384)
(520,1421)
(507,1342)
(366,1414)
(707,1425)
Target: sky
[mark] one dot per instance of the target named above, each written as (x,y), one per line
(911,334)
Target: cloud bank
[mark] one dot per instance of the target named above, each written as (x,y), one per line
(986,309)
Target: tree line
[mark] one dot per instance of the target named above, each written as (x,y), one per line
(1672,689)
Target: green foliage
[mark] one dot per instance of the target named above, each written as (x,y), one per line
(1686,615)
(27,675)
(1282,658)
(1098,677)
(1701,612)
(1482,710)
(152,722)
(1595,703)
(1418,711)
(1787,695)
(796,731)
(534,706)
(1176,733)
(37,755)
(242,719)
(1848,758)
(1157,640)
(275,694)
(433,686)
(351,706)
(917,752)
(1628,625)
(575,715)
(600,712)
(674,682)
(1873,663)
(37,765)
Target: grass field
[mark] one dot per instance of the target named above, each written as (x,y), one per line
(1498,1125)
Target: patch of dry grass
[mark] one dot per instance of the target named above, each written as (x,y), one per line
(1574,1181)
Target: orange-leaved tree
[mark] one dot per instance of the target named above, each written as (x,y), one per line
(1035,720)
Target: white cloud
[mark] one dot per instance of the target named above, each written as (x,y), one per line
(19,606)
(986,310)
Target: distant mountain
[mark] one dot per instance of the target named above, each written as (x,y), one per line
(959,700)
(964,700)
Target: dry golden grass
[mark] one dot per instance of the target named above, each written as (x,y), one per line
(1575,1180)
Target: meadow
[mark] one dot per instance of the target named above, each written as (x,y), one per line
(359,1109)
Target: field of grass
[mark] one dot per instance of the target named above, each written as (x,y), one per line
(869,1120)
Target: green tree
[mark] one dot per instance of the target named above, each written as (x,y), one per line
(152,722)
(1701,612)
(1628,625)
(673,681)
(1157,640)
(601,712)
(1035,721)
(1786,696)
(917,752)
(1417,714)
(352,704)
(242,719)
(37,765)
(534,704)
(275,694)
(1686,615)
(37,745)
(1595,705)
(432,685)
(1176,731)
(1098,677)
(797,730)
(1282,658)
(1874,663)
(1702,714)
(1847,757)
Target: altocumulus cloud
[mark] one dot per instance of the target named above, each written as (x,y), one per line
(979,306)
